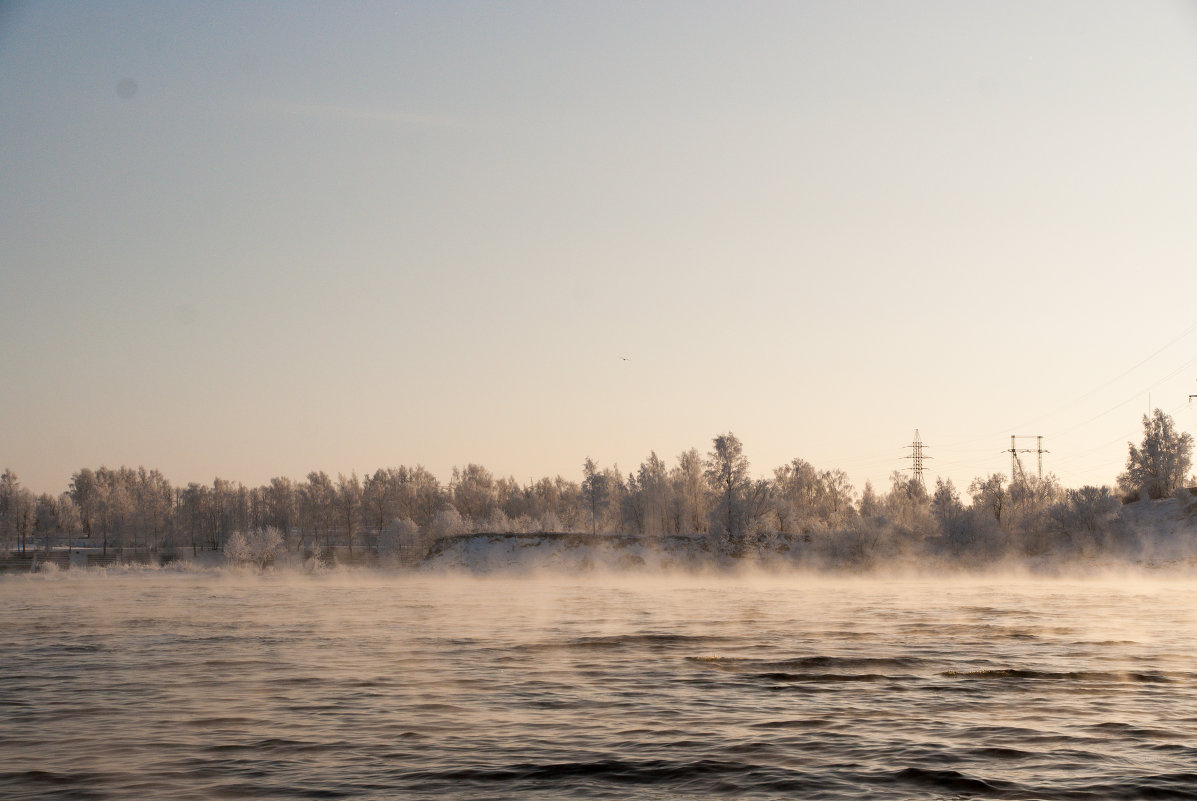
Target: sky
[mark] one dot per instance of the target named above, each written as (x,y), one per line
(258,239)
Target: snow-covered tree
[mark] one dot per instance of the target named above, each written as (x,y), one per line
(727,474)
(945,503)
(1084,515)
(646,504)
(257,547)
(18,512)
(317,503)
(448,522)
(474,491)
(10,490)
(281,499)
(1160,464)
(989,494)
(401,536)
(690,505)
(870,504)
(596,492)
(348,504)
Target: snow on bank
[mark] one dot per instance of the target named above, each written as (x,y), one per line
(1143,536)
(487,553)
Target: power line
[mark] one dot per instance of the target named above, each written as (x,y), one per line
(1131,399)
(1118,377)
(1094,391)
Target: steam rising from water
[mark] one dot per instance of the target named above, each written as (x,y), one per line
(368,685)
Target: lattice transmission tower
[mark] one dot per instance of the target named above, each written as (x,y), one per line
(1016,463)
(916,457)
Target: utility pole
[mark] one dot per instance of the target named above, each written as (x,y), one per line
(917,456)
(1015,464)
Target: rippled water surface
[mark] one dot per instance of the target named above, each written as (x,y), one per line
(175,685)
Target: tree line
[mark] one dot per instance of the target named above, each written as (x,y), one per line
(713,495)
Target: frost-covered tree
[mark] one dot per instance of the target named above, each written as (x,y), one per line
(690,504)
(88,494)
(448,522)
(798,492)
(282,505)
(378,500)
(349,504)
(229,510)
(756,506)
(652,481)
(513,499)
(556,502)
(596,492)
(1084,515)
(838,494)
(317,503)
(10,489)
(67,519)
(727,474)
(498,523)
(946,505)
(18,512)
(45,519)
(152,499)
(806,496)
(989,495)
(1160,464)
(1030,501)
(870,504)
(419,494)
(192,516)
(798,481)
(474,491)
(907,505)
(258,547)
(115,506)
(962,531)
(398,538)
(236,547)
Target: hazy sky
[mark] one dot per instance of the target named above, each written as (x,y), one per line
(257,239)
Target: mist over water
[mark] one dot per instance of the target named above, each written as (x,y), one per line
(366,685)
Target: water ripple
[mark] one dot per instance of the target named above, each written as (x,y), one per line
(383,687)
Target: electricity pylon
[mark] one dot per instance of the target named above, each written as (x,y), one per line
(917,456)
(1015,463)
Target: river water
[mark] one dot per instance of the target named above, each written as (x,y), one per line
(375,686)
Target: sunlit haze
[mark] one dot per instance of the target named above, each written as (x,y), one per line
(255,240)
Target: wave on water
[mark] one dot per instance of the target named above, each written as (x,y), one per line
(746,664)
(703,775)
(1103,677)
(625,641)
(423,687)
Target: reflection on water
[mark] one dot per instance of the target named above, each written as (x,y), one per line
(373,686)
